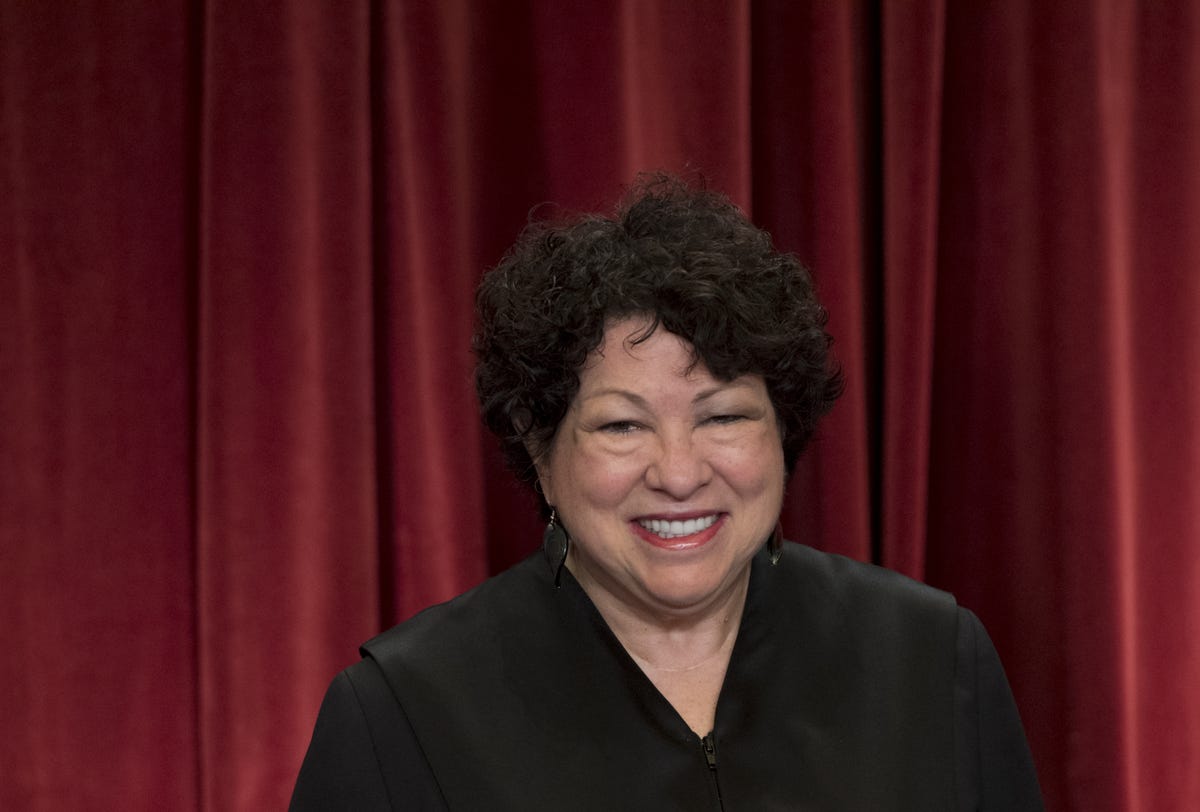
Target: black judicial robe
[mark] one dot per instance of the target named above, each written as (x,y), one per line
(849,688)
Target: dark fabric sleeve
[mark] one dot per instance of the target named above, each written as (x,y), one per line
(363,754)
(994,769)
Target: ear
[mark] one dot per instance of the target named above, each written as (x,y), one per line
(541,465)
(545,482)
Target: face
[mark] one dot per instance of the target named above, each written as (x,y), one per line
(668,481)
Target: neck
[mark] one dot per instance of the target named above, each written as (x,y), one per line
(634,617)
(683,653)
(679,642)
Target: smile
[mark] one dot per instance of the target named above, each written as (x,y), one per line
(676,529)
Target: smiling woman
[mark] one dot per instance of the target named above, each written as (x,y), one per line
(667,480)
(654,376)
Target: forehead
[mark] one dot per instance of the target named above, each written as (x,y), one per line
(627,351)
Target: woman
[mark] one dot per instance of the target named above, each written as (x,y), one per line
(654,377)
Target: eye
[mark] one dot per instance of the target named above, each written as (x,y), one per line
(619,427)
(726,419)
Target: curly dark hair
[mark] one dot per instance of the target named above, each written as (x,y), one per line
(684,256)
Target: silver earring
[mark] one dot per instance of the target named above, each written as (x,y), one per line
(775,544)
(556,544)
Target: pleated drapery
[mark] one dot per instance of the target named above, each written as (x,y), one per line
(238,436)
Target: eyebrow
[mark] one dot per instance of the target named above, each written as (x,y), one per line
(640,401)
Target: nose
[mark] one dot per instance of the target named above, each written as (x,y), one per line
(679,467)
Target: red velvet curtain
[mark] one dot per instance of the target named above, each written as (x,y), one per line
(237,427)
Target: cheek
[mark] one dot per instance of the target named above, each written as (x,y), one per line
(593,479)
(757,470)
(607,480)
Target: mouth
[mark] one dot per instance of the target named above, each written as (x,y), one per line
(679,534)
(670,529)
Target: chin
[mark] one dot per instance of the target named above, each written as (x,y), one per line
(683,591)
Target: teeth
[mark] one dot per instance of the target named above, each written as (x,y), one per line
(670,530)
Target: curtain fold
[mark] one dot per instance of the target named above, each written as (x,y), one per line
(96,594)
(814,183)
(285,449)
(238,433)
(912,49)
(1055,295)
(432,496)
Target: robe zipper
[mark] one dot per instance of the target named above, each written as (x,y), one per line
(710,757)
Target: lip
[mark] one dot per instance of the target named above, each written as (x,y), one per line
(679,543)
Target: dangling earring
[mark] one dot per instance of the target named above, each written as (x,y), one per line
(775,543)
(556,544)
